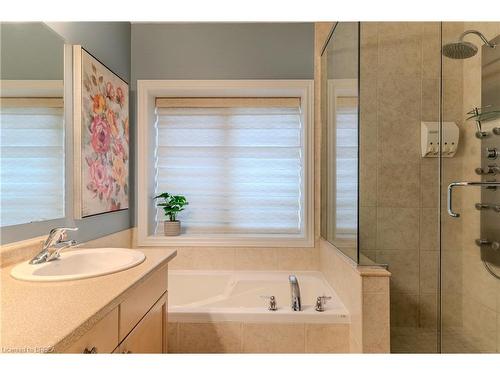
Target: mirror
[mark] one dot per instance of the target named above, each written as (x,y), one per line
(339,151)
(31,123)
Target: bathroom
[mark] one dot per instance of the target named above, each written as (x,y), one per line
(253,187)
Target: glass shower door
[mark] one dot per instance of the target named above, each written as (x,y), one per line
(470,197)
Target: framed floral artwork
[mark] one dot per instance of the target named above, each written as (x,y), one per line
(101,127)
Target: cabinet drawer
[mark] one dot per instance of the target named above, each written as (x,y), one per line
(102,337)
(140,300)
(149,336)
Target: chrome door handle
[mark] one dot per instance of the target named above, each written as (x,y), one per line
(465,183)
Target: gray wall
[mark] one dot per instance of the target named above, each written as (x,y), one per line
(110,43)
(30,51)
(220,51)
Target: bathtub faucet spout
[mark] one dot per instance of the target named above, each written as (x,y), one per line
(294,293)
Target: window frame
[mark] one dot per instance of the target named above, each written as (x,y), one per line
(149,90)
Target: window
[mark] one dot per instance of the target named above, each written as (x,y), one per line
(32,160)
(347,165)
(242,161)
(342,160)
(238,160)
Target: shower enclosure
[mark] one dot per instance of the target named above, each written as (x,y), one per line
(410,170)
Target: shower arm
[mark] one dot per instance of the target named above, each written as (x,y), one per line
(475,32)
(465,183)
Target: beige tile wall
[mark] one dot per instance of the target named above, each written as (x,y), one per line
(365,293)
(236,337)
(400,78)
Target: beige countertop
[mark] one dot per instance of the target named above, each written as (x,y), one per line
(50,316)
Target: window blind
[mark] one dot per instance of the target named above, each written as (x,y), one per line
(32,160)
(346,119)
(238,161)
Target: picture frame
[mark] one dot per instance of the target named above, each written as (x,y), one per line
(101,137)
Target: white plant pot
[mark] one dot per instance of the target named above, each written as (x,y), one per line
(172,228)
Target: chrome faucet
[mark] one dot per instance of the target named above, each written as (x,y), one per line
(294,293)
(53,245)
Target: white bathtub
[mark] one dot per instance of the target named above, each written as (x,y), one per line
(226,296)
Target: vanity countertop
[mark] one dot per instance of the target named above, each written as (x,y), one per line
(50,316)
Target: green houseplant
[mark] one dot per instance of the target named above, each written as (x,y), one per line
(172,205)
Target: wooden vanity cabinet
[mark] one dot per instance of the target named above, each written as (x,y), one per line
(149,335)
(137,325)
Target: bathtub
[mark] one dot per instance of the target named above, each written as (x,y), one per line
(226,296)
(223,312)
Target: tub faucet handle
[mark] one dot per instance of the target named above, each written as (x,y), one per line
(321,301)
(272,303)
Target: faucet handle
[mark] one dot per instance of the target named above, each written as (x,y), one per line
(58,234)
(321,301)
(272,303)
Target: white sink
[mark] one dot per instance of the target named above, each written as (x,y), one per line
(79,264)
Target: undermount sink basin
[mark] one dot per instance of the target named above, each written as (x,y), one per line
(79,264)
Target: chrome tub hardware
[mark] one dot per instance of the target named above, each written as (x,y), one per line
(465,183)
(295,302)
(53,245)
(492,169)
(321,302)
(272,306)
(496,208)
(492,153)
(496,130)
(495,245)
(92,350)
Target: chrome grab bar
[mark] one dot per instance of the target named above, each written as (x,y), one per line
(465,183)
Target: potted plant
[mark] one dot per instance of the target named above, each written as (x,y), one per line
(172,205)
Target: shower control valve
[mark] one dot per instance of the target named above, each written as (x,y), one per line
(496,130)
(481,206)
(492,153)
(492,169)
(482,241)
(495,245)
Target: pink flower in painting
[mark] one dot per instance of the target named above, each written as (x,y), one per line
(111,118)
(100,132)
(110,91)
(120,98)
(100,182)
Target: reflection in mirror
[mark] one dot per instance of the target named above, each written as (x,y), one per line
(339,190)
(31,123)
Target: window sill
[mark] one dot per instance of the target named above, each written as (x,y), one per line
(227,241)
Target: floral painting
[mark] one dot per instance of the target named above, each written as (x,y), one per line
(105,139)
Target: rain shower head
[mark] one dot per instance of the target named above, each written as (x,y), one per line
(459,50)
(462,49)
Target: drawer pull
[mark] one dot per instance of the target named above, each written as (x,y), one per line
(92,350)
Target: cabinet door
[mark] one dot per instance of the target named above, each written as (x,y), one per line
(102,338)
(149,336)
